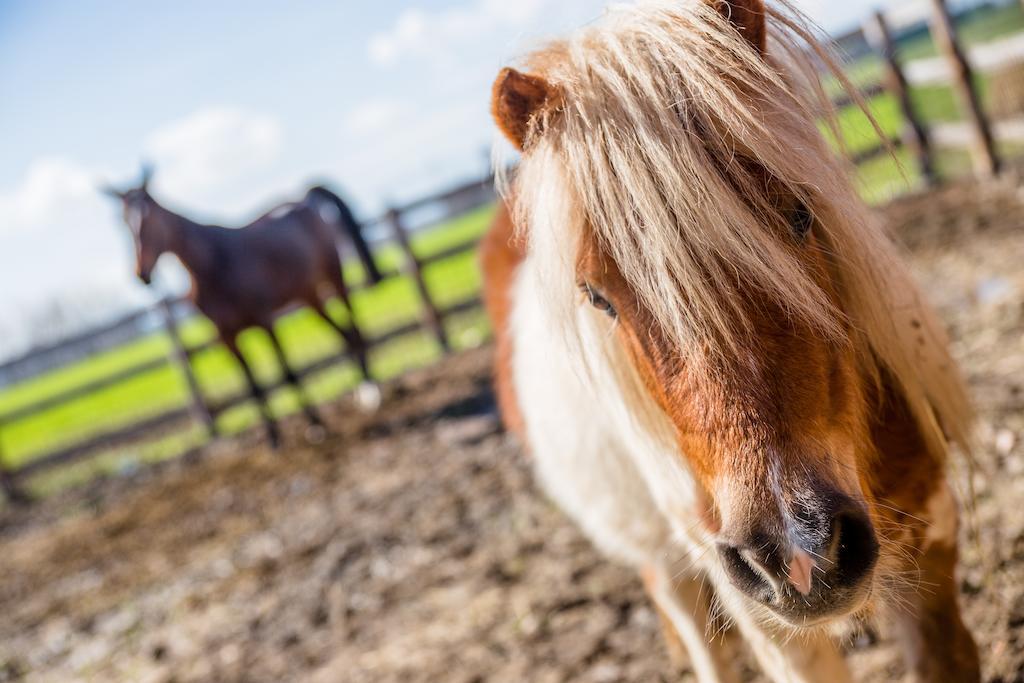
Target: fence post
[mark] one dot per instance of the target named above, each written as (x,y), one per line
(983,149)
(914,134)
(9,483)
(431,316)
(199,408)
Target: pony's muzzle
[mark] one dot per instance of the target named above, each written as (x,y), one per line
(819,568)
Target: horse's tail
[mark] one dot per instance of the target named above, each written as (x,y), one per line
(351,227)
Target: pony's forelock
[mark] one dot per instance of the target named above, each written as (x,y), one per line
(671,143)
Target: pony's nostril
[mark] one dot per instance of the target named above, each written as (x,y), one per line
(855,547)
(745,575)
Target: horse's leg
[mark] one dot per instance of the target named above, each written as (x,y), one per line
(788,658)
(255,390)
(367,394)
(687,622)
(921,517)
(307,406)
(938,645)
(354,341)
(351,334)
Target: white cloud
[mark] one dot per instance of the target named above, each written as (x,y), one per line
(206,154)
(409,31)
(53,188)
(213,148)
(417,33)
(372,116)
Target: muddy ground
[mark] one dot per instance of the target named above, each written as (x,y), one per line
(412,545)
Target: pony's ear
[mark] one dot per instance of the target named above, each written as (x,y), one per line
(748,16)
(515,100)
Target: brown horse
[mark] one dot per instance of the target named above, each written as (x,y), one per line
(721,368)
(242,277)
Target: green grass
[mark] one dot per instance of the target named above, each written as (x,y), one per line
(883,177)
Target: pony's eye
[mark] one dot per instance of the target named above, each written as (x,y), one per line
(800,221)
(598,301)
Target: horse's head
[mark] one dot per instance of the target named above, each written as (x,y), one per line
(148,231)
(704,247)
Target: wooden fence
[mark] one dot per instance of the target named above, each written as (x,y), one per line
(954,66)
(168,315)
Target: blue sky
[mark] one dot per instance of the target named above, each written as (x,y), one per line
(238,104)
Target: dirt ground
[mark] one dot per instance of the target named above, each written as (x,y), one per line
(412,545)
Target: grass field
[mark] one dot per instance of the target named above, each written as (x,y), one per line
(393,303)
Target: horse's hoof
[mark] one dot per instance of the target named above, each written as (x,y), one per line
(368,397)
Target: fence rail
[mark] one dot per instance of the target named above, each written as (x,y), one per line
(169,314)
(983,59)
(954,66)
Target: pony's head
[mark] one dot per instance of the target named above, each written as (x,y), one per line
(707,257)
(149,233)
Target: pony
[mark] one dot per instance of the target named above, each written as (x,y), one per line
(241,277)
(718,363)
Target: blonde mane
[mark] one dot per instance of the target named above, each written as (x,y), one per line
(672,140)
